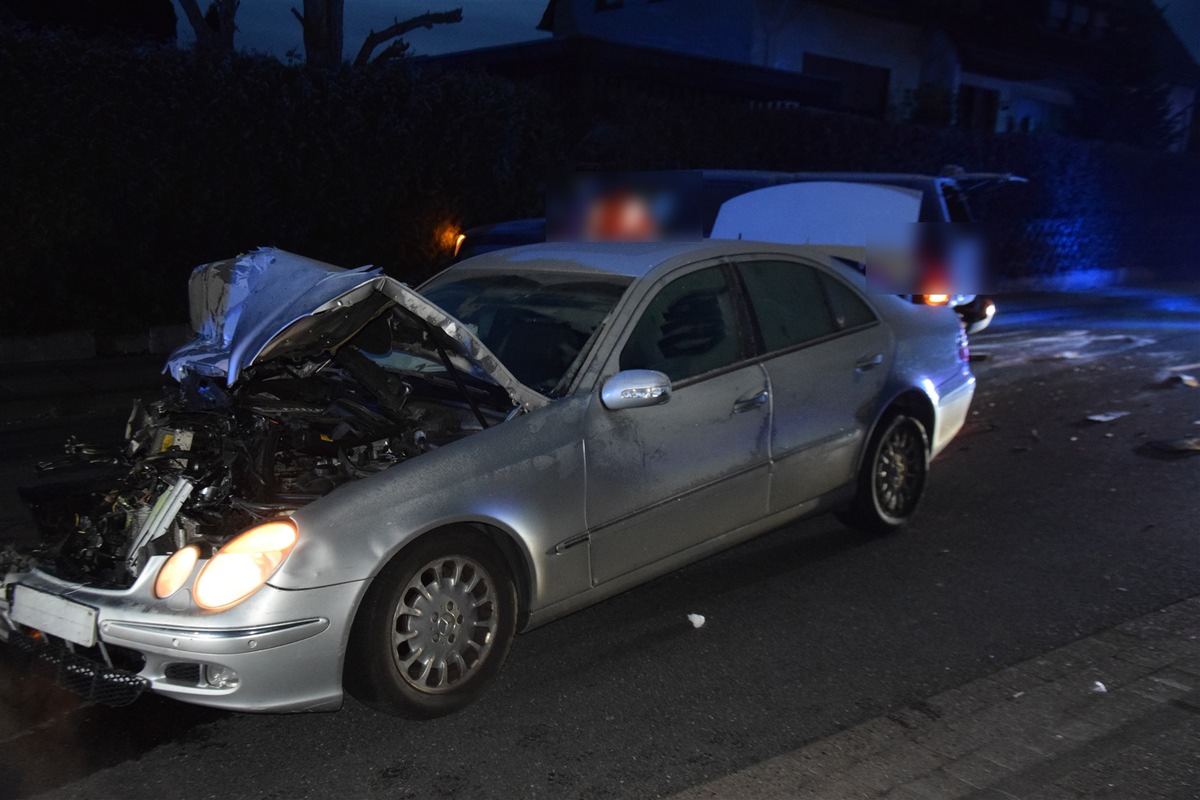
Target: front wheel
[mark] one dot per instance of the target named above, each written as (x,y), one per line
(893,476)
(434,627)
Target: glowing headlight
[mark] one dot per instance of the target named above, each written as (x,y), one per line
(243,565)
(176,571)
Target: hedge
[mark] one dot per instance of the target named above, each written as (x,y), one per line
(121,169)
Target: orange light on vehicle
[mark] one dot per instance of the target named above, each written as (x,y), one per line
(448,237)
(176,571)
(458,243)
(937,299)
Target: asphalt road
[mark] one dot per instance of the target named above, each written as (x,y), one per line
(1039,527)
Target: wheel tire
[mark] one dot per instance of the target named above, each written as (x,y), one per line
(434,627)
(892,478)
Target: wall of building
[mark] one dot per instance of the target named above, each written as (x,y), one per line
(1182,101)
(825,31)
(1024,107)
(869,54)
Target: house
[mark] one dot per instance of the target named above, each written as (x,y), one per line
(1017,66)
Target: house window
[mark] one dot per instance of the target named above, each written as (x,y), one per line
(1058,14)
(978,108)
(1077,19)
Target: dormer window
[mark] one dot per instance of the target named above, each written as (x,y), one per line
(1058,14)
(1077,19)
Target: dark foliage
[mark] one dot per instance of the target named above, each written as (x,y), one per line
(124,168)
(139,20)
(1128,100)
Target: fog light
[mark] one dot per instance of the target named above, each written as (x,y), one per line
(220,677)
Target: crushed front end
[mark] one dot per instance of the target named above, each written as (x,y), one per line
(125,593)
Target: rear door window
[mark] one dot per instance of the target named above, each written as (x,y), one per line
(849,310)
(789,303)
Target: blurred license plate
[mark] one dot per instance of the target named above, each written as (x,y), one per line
(54,615)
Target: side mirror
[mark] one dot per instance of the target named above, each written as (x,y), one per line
(635,388)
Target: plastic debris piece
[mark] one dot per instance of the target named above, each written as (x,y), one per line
(1187,444)
(1074,438)
(1181,380)
(1107,416)
(1018,695)
(1099,687)
(697,620)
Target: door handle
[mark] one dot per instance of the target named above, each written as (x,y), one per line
(758,400)
(870,362)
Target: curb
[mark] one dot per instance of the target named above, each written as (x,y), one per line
(1071,723)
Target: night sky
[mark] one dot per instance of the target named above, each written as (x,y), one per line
(268,25)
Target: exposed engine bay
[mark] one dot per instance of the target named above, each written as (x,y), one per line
(208,460)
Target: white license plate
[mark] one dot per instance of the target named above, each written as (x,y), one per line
(54,615)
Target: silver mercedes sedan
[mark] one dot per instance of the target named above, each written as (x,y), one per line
(357,486)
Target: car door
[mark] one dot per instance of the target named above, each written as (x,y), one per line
(827,359)
(662,479)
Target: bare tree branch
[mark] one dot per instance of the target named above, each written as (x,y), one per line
(426,20)
(394,50)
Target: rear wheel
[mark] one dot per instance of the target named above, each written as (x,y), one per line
(434,628)
(893,476)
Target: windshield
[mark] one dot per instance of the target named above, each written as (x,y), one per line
(538,324)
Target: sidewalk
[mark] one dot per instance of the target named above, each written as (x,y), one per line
(1115,715)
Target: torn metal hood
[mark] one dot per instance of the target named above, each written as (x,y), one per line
(270,302)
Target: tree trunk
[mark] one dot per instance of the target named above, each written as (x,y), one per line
(322,24)
(214,29)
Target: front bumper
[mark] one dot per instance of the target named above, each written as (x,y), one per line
(280,650)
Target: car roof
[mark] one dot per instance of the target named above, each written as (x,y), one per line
(629,259)
(769,178)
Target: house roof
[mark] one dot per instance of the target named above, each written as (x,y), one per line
(1013,40)
(566,58)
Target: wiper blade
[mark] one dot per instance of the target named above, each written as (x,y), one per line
(454,374)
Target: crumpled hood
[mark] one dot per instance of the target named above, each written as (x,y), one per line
(241,306)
